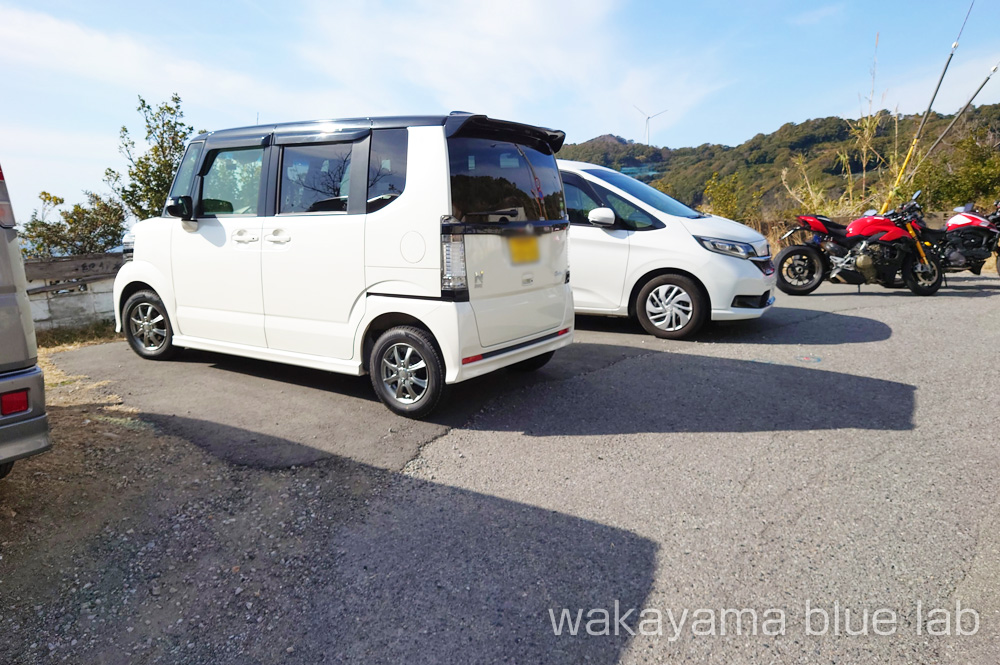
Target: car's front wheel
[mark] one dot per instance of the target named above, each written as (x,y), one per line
(407,371)
(5,469)
(147,327)
(671,307)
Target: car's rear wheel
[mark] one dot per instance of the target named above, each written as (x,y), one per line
(671,307)
(147,327)
(407,371)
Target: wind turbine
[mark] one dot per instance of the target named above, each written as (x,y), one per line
(648,118)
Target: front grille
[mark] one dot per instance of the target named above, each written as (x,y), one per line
(752,302)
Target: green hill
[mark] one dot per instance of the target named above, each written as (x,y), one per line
(683,172)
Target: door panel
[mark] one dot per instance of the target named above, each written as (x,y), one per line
(313,250)
(314,279)
(598,263)
(216,270)
(215,259)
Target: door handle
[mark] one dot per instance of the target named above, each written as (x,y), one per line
(278,237)
(243,236)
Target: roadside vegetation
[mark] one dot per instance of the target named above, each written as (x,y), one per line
(97,224)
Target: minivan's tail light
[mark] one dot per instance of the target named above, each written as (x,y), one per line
(15,402)
(6,211)
(453,275)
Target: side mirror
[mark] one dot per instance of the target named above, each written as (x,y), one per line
(180,206)
(916,194)
(601,217)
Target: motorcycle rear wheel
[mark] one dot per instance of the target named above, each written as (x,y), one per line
(918,281)
(800,270)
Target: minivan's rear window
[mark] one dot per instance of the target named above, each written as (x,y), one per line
(500,181)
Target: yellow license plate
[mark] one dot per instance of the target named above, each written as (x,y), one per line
(523,249)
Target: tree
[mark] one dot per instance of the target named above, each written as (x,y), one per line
(729,197)
(88,228)
(144,188)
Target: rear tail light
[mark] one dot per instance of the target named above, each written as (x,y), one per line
(15,402)
(6,212)
(453,275)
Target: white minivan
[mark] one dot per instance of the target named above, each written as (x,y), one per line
(637,252)
(422,250)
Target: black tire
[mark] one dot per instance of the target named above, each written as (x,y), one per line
(147,326)
(669,299)
(5,469)
(919,283)
(800,270)
(404,395)
(533,364)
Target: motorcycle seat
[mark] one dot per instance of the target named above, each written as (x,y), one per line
(830,224)
(933,235)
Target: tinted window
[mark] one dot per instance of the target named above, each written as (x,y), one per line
(579,204)
(500,181)
(185,172)
(232,183)
(386,167)
(633,216)
(654,198)
(315,178)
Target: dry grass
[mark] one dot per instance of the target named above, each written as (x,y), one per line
(64,339)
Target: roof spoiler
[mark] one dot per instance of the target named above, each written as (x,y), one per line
(461,123)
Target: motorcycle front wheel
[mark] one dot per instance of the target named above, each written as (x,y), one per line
(800,270)
(920,279)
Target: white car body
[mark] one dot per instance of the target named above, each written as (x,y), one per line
(315,288)
(611,264)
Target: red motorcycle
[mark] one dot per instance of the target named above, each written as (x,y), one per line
(873,249)
(967,241)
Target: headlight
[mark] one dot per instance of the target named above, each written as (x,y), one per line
(740,250)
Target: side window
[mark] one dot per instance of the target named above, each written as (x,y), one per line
(185,172)
(579,204)
(386,167)
(633,217)
(231,186)
(315,178)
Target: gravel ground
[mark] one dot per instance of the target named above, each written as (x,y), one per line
(841,451)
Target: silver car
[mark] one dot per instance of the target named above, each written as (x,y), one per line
(24,426)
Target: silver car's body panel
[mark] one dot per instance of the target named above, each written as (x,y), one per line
(26,432)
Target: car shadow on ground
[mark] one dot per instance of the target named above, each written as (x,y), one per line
(674,392)
(424,573)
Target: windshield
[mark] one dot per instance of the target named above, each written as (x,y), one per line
(501,181)
(651,197)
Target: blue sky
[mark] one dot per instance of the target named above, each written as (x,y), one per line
(725,71)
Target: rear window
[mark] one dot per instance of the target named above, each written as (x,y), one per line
(500,181)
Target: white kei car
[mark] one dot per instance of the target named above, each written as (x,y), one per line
(636,252)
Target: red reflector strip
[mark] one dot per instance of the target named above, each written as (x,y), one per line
(14,402)
(471,359)
(564,331)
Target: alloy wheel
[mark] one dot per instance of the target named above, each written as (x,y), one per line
(148,326)
(799,270)
(404,373)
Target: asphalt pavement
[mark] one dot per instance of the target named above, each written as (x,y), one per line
(836,459)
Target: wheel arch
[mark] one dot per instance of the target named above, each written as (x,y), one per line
(659,272)
(387,321)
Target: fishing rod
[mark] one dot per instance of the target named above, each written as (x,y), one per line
(953,121)
(923,121)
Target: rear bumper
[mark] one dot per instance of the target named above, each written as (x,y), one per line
(25,433)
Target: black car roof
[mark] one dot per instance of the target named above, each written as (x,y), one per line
(453,123)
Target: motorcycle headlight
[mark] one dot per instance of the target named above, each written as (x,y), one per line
(740,250)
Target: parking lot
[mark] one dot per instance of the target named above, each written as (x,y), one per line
(840,453)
